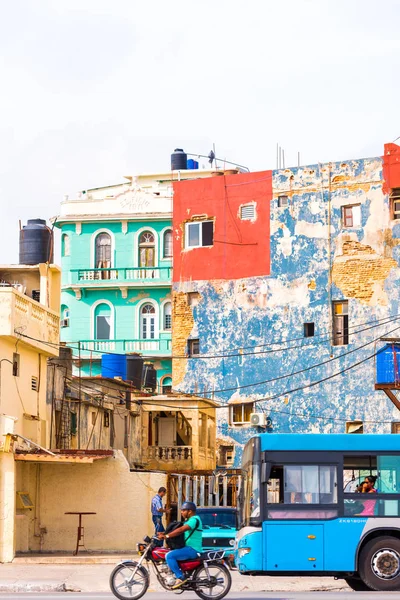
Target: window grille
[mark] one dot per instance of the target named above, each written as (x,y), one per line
(248,212)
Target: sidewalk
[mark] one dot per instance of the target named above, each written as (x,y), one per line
(90,573)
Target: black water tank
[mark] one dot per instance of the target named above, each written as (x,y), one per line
(178,160)
(134,369)
(149,376)
(35,243)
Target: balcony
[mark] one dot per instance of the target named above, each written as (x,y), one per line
(169,458)
(119,277)
(37,324)
(160,347)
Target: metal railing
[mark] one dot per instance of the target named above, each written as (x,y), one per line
(121,275)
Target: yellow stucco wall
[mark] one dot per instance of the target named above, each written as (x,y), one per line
(120,498)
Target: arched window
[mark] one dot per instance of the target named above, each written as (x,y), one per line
(146,249)
(167,324)
(148,322)
(65,245)
(102,322)
(167,246)
(103,251)
(166,385)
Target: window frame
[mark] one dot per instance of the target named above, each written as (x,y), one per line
(310,325)
(171,243)
(242,405)
(165,315)
(345,323)
(248,206)
(65,245)
(394,198)
(345,208)
(199,223)
(283,201)
(192,342)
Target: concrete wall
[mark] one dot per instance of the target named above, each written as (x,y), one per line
(120,498)
(315,260)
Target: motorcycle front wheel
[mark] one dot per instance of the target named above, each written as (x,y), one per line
(123,586)
(214,584)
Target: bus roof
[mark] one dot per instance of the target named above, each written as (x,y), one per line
(329,441)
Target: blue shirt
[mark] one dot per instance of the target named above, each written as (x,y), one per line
(156,503)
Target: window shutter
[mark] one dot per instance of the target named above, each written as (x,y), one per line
(248,211)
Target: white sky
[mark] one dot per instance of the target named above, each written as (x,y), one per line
(95,89)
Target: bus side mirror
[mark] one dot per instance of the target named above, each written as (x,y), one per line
(265,471)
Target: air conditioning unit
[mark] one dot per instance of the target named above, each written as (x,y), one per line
(258,419)
(64,323)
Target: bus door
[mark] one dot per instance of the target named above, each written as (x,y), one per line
(300,497)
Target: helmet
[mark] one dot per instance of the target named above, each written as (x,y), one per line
(189,506)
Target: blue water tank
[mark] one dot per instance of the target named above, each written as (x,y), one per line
(192,164)
(113,365)
(388,364)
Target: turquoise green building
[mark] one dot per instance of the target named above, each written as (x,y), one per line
(116,247)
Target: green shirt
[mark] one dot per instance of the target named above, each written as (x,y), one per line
(195,539)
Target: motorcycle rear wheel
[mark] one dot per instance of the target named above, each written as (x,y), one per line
(217,586)
(119,581)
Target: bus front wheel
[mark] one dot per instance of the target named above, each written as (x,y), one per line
(379,564)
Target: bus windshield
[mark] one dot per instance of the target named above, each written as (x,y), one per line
(249,502)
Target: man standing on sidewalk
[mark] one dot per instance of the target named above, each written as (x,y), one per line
(157,510)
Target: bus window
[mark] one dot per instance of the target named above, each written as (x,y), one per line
(356,469)
(388,481)
(310,484)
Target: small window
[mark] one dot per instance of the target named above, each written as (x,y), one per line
(340,323)
(354,427)
(351,216)
(199,234)
(167,316)
(227,455)
(35,384)
(167,247)
(248,212)
(308,329)
(395,203)
(396,427)
(65,245)
(193,347)
(15,368)
(106,419)
(240,413)
(283,201)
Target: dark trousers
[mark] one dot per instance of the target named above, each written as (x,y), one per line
(158,526)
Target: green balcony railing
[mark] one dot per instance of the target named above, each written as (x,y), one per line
(150,346)
(121,275)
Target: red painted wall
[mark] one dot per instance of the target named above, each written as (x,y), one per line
(391,167)
(241,248)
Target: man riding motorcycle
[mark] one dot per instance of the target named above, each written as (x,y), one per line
(192,530)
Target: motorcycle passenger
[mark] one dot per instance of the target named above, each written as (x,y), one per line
(192,530)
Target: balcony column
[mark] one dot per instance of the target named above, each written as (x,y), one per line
(7,506)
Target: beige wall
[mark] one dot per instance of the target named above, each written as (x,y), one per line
(120,498)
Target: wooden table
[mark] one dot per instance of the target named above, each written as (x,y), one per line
(80,535)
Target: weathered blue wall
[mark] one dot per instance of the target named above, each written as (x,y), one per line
(315,260)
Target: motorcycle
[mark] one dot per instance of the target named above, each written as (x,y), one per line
(206,575)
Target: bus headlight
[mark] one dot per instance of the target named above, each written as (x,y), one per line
(243,551)
(231,542)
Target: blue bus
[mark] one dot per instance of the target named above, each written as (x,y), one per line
(302,511)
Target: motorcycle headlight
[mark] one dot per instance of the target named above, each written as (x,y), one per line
(140,548)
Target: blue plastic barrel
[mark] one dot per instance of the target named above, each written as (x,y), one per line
(387,368)
(113,365)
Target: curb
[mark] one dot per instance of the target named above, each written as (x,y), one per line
(37,587)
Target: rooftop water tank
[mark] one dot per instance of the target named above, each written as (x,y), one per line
(134,369)
(35,243)
(178,160)
(149,376)
(388,364)
(113,365)
(192,164)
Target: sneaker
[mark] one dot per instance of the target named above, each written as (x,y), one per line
(179,583)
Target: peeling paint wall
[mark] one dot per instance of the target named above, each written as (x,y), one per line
(253,327)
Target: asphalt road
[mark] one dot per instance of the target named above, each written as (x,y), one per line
(191,596)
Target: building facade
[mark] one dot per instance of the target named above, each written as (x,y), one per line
(29,334)
(116,261)
(285,284)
